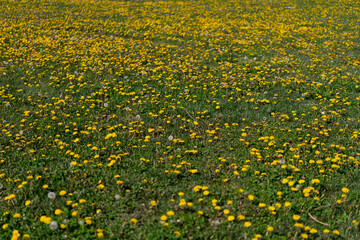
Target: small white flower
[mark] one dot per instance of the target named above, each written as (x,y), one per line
(53,225)
(171,138)
(51,195)
(117,196)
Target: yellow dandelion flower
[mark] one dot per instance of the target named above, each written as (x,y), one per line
(247,224)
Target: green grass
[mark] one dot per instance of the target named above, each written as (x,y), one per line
(179,119)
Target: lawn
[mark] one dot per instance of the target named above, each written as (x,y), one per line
(185,119)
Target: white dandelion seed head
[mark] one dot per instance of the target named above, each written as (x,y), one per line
(216,223)
(266,92)
(106,105)
(81,222)
(127,108)
(21,132)
(51,195)
(53,225)
(303,94)
(7,104)
(282,161)
(171,138)
(117,196)
(137,117)
(1,185)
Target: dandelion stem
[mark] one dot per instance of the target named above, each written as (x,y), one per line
(313,218)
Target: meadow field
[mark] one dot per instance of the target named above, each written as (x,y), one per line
(184,119)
